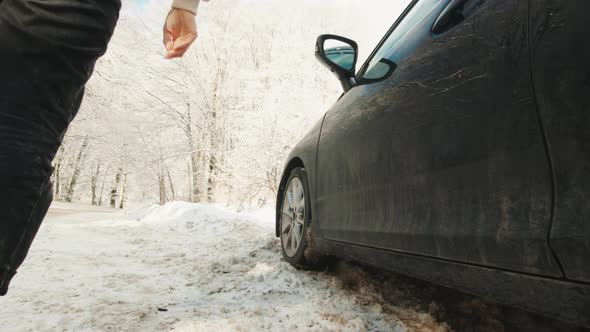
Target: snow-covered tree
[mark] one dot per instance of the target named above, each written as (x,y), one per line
(217,125)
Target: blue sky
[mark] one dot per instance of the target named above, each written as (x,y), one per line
(141,3)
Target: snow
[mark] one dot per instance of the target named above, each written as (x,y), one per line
(181,267)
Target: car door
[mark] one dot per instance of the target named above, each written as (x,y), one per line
(561,71)
(438,150)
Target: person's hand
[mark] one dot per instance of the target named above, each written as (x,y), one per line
(180,31)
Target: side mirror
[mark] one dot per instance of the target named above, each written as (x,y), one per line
(340,55)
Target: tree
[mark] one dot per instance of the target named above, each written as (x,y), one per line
(214,126)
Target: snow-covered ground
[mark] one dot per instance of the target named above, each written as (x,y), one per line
(183,267)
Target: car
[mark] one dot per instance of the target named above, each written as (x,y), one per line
(459,153)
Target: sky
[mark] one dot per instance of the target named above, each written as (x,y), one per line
(141,3)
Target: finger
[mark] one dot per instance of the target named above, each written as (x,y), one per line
(171,55)
(177,53)
(184,41)
(181,45)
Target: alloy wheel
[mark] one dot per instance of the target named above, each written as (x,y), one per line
(293,217)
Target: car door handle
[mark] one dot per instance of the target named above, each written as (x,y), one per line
(455,13)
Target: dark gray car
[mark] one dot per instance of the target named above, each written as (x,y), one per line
(459,153)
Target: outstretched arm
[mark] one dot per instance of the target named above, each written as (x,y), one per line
(180,29)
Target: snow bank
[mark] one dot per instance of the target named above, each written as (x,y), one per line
(181,267)
(190,214)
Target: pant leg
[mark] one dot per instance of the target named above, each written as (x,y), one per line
(48,49)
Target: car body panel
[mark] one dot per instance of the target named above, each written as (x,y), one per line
(304,154)
(561,299)
(561,71)
(446,157)
(469,166)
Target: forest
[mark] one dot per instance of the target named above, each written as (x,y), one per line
(215,126)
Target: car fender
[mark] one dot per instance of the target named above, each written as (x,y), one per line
(304,155)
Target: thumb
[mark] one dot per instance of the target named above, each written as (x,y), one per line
(184,41)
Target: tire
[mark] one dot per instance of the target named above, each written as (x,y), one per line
(297,244)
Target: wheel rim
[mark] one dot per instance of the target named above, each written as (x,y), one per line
(293,217)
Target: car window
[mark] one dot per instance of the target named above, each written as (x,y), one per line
(382,63)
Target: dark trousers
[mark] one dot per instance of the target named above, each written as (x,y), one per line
(48,49)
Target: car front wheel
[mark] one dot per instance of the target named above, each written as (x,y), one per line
(297,243)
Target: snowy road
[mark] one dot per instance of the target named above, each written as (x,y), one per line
(183,267)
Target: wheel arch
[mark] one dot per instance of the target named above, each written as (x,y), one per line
(303,155)
(291,165)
